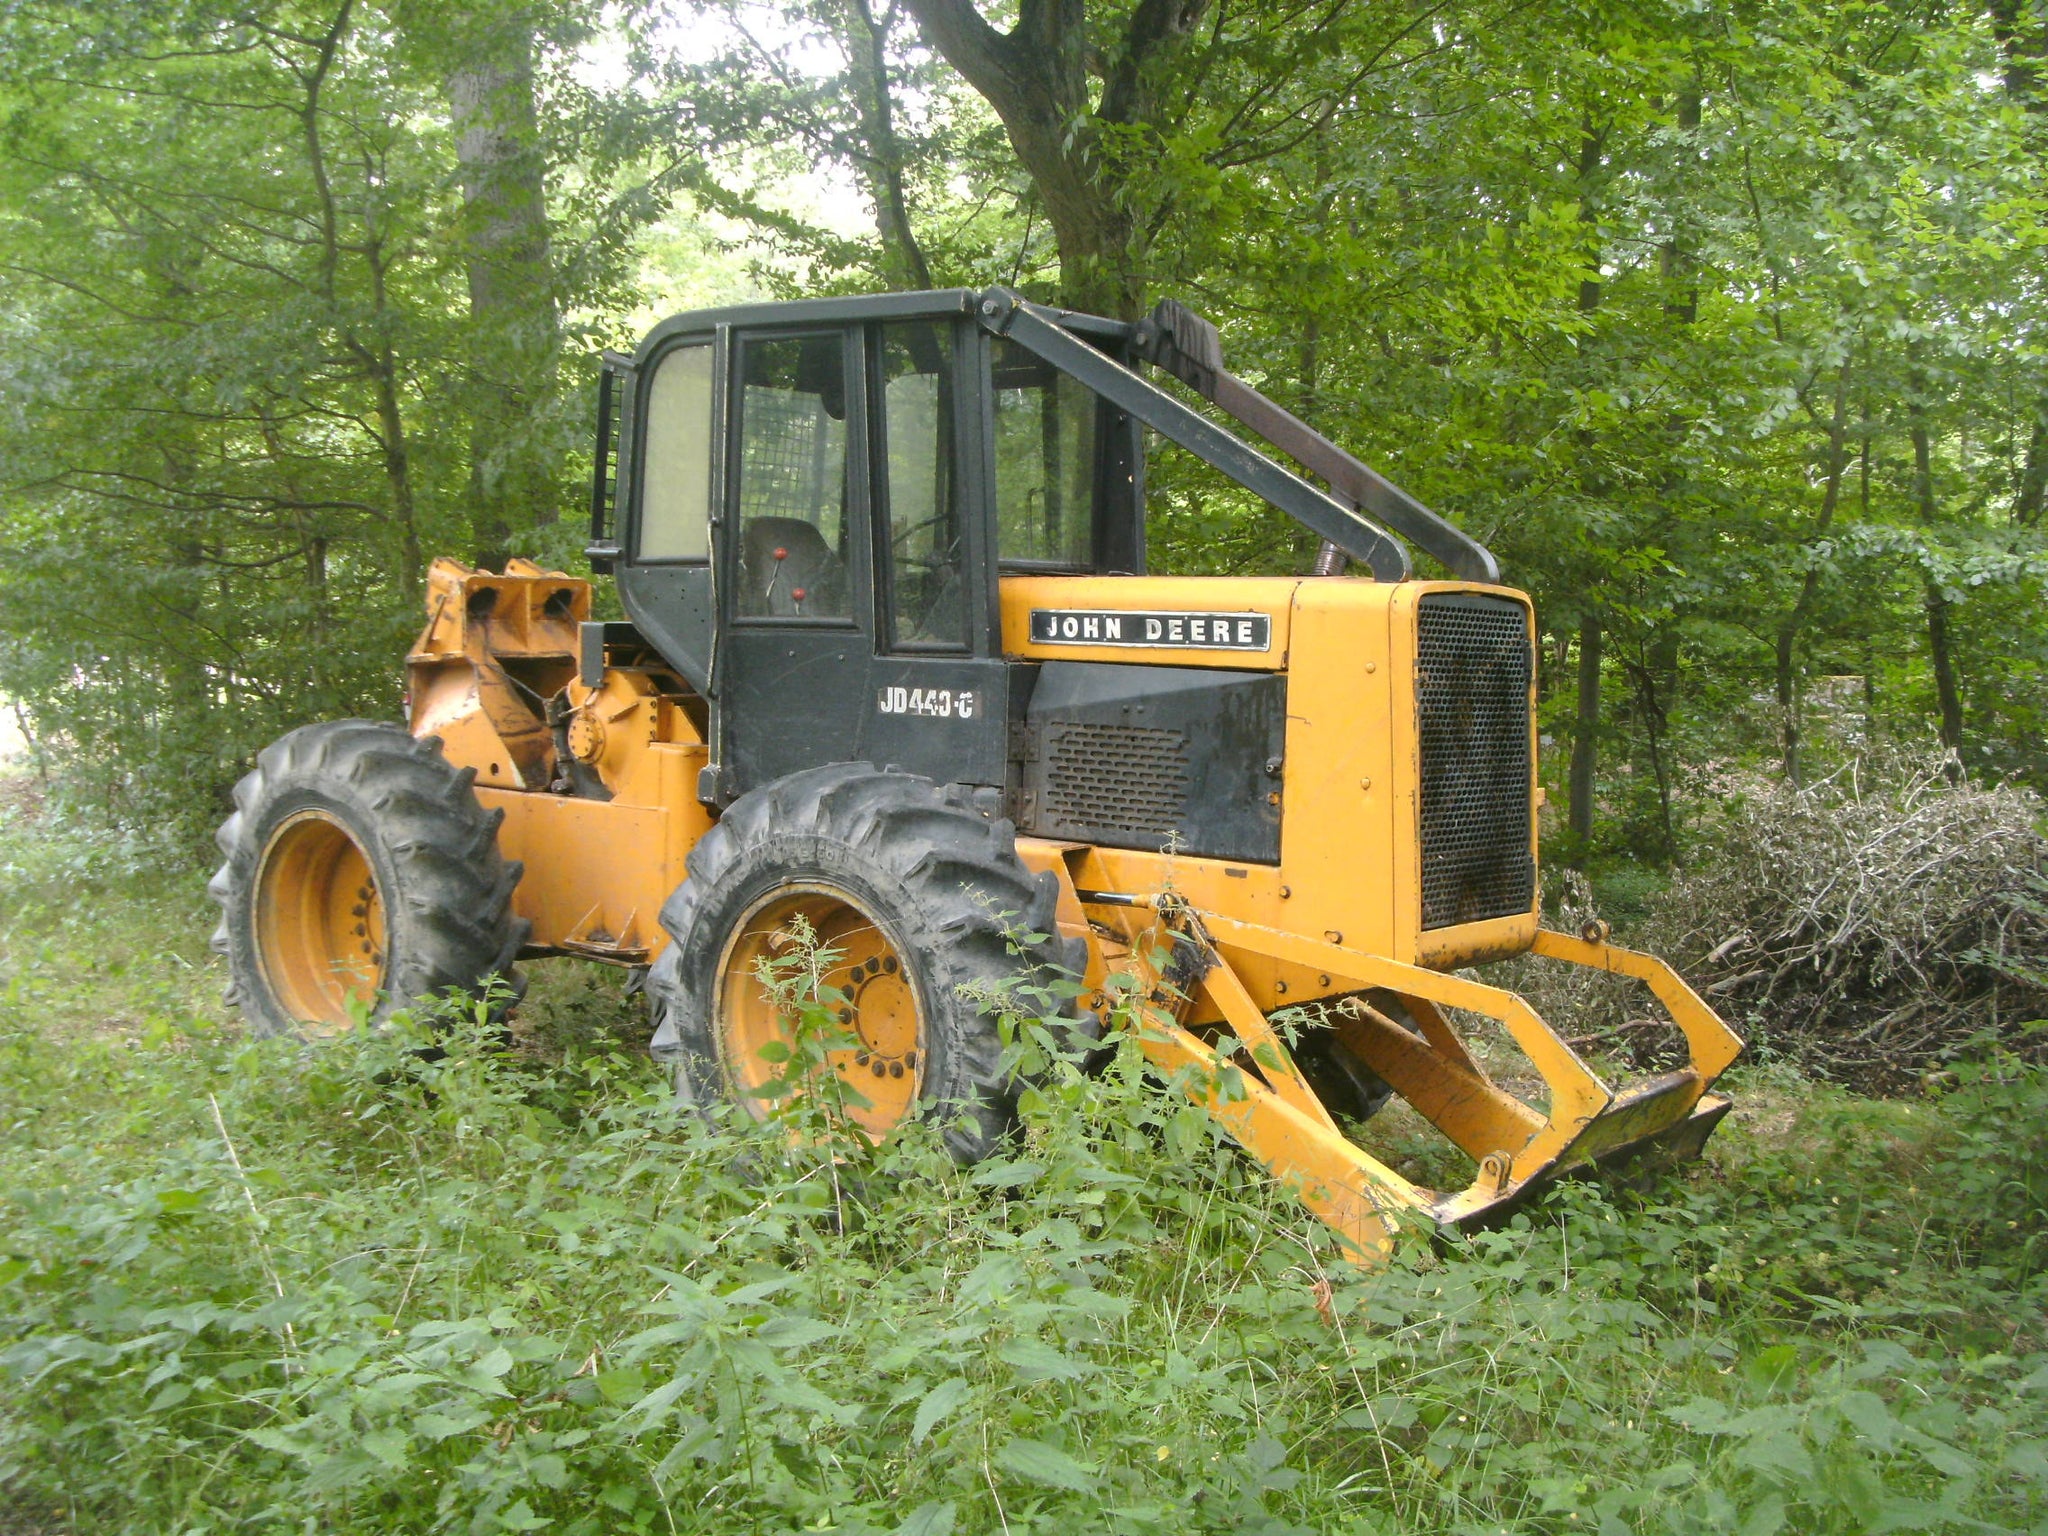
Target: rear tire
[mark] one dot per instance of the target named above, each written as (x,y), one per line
(917,891)
(360,874)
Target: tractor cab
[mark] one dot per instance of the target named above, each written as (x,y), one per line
(815,501)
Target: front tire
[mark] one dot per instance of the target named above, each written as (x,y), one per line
(361,876)
(915,891)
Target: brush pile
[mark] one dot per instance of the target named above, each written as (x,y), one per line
(1869,925)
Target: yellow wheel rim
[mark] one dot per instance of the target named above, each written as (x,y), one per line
(883,1058)
(319,922)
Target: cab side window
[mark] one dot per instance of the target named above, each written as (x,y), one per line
(675,490)
(926,593)
(793,526)
(1045,425)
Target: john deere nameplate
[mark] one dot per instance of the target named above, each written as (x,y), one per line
(1191,631)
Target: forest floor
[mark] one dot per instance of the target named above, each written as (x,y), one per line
(248,1285)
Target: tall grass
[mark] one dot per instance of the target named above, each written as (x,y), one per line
(257,1286)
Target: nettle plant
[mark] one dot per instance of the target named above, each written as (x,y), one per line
(432,1277)
(1075,1071)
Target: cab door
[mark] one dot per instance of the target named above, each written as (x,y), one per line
(858,616)
(940,704)
(794,555)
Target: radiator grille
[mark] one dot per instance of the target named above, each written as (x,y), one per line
(1116,781)
(1473,667)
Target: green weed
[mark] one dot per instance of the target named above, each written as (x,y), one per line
(261,1286)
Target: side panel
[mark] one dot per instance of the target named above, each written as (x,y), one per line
(1348,868)
(1144,757)
(597,871)
(672,606)
(794,703)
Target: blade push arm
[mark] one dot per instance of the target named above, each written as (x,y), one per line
(1005,314)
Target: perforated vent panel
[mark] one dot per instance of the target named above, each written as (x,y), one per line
(1132,756)
(1473,667)
(1123,781)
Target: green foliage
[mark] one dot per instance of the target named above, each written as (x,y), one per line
(265,360)
(422,1280)
(1996,1106)
(1721,326)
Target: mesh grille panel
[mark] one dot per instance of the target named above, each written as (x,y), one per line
(1473,667)
(1127,781)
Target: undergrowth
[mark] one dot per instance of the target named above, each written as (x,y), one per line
(365,1287)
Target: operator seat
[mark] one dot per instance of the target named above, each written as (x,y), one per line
(782,556)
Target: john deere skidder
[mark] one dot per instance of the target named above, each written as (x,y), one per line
(893,667)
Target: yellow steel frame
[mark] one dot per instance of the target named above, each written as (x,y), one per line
(1275,1115)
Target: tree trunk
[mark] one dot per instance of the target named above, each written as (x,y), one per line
(514,329)
(398,477)
(1585,734)
(1560,658)
(1656,685)
(2032,489)
(380,362)
(1676,262)
(312,553)
(1036,77)
(2022,33)
(26,725)
(1787,649)
(881,152)
(2023,49)
(1948,696)
(1787,690)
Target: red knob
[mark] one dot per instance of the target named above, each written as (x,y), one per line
(782,554)
(797,593)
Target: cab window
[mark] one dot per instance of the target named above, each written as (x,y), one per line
(791,484)
(1045,440)
(675,490)
(925,597)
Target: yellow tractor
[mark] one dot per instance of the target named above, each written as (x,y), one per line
(892,667)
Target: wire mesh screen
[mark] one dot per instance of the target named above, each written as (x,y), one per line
(794,451)
(1473,668)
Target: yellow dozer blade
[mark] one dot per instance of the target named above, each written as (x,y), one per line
(1262,1098)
